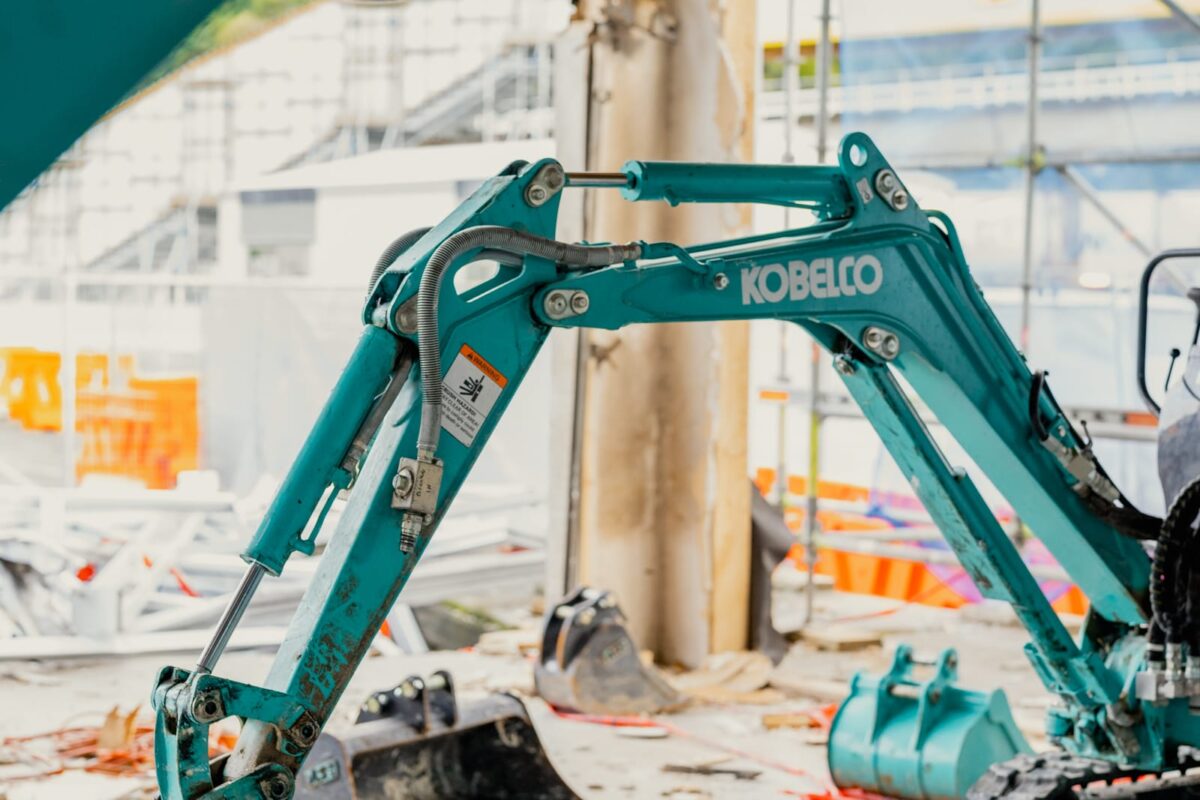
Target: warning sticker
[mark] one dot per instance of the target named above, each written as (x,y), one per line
(469,391)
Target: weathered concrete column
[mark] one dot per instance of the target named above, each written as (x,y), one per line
(663,508)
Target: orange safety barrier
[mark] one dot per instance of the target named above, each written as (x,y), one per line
(148,432)
(31,390)
(862,573)
(34,396)
(10,387)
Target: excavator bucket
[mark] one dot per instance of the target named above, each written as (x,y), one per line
(590,663)
(415,742)
(920,740)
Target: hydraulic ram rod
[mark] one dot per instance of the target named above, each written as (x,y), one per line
(821,188)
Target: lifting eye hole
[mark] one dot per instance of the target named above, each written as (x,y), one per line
(475,274)
(858,156)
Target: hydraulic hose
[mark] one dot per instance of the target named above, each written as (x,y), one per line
(391,253)
(488,237)
(1125,518)
(1171,575)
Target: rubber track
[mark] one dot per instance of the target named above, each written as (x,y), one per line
(1046,776)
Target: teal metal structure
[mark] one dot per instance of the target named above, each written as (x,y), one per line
(880,283)
(924,739)
(67,62)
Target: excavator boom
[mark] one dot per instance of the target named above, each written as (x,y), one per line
(877,281)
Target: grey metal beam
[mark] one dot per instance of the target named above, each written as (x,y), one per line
(1090,194)
(1182,14)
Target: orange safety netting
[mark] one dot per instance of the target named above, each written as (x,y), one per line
(882,576)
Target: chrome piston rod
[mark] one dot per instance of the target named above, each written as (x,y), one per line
(230,619)
(597,180)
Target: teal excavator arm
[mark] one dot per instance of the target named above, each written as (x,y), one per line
(879,283)
(67,62)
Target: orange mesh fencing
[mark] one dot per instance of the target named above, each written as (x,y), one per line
(882,576)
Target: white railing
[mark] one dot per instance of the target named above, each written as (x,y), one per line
(911,90)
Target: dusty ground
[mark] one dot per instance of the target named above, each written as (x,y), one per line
(599,762)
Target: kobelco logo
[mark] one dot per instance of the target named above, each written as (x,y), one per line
(773,283)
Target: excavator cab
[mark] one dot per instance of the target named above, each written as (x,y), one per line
(1178,410)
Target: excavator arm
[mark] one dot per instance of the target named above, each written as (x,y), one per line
(879,283)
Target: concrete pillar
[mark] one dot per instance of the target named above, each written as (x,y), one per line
(663,507)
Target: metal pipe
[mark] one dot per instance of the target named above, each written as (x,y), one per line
(789,87)
(230,619)
(1182,14)
(823,63)
(68,365)
(597,180)
(789,157)
(814,477)
(1031,169)
(814,412)
(1090,194)
(1053,161)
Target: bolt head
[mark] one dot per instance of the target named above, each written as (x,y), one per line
(586,616)
(580,302)
(554,177)
(872,338)
(843,365)
(406,318)
(402,481)
(537,194)
(206,707)
(887,181)
(556,303)
(720,281)
(890,346)
(900,200)
(276,787)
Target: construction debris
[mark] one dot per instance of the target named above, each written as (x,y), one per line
(119,746)
(712,767)
(735,677)
(801,720)
(115,571)
(842,638)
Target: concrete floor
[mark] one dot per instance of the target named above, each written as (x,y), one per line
(599,762)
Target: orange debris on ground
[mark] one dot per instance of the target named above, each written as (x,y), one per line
(119,746)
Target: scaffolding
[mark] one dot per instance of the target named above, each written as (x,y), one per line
(977,87)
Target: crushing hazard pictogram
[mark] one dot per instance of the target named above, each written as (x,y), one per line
(469,390)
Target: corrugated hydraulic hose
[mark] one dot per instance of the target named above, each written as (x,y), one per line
(491,237)
(391,253)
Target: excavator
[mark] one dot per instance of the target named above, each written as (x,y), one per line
(882,285)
